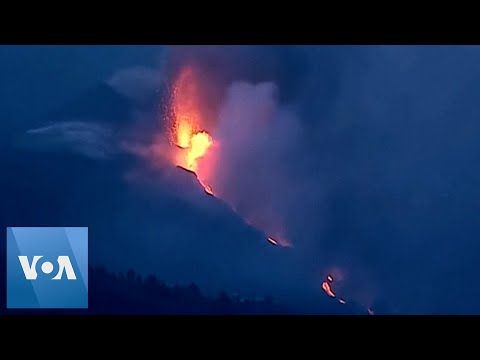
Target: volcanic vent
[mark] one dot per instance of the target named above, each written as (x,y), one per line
(194,148)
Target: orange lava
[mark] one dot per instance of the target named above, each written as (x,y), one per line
(186,124)
(184,130)
(208,190)
(199,144)
(276,240)
(272,241)
(326,287)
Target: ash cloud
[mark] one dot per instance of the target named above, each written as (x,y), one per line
(220,66)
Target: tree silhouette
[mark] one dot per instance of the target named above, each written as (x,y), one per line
(130,293)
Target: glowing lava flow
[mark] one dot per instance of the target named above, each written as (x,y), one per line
(186,132)
(327,288)
(272,241)
(208,190)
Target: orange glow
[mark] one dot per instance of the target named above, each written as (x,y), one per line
(184,131)
(185,108)
(330,278)
(198,146)
(187,120)
(208,190)
(326,287)
(272,241)
(275,238)
(193,145)
(341,301)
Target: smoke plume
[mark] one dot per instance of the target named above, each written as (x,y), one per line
(256,140)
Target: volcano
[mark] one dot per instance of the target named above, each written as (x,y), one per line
(140,218)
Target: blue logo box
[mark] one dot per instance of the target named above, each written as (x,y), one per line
(47,267)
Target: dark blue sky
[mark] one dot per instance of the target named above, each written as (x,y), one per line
(380,145)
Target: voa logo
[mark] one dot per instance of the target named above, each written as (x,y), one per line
(64,265)
(47,267)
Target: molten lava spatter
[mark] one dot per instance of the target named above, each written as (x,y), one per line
(186,129)
(184,109)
